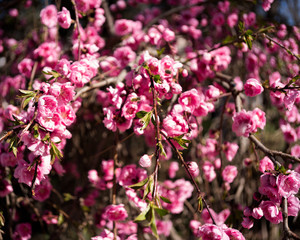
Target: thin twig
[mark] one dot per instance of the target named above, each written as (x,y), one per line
(272,153)
(78,29)
(200,194)
(282,46)
(32,75)
(157,136)
(286,229)
(109,18)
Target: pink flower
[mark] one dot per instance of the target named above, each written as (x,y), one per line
(266,5)
(271,212)
(219,218)
(5,188)
(234,234)
(232,19)
(175,125)
(67,114)
(48,16)
(130,174)
(123,27)
(25,67)
(173,168)
(229,173)
(145,161)
(247,223)
(257,213)
(218,19)
(105,235)
(209,171)
(295,150)
(194,169)
(253,87)
(259,118)
(289,99)
(64,18)
(23,230)
(243,123)
(190,100)
(124,55)
(116,212)
(211,231)
(43,190)
(288,184)
(269,187)
(266,165)
(293,206)
(230,150)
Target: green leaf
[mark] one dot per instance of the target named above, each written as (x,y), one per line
(27,92)
(153,223)
(248,40)
(146,119)
(228,39)
(149,188)
(25,102)
(139,184)
(15,151)
(266,29)
(141,114)
(142,215)
(166,200)
(182,142)
(249,32)
(241,26)
(200,204)
(36,131)
(156,78)
(160,51)
(161,149)
(161,212)
(55,152)
(60,219)
(68,197)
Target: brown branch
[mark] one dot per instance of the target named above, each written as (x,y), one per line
(32,75)
(109,18)
(286,229)
(200,194)
(157,136)
(272,153)
(282,46)
(95,85)
(78,30)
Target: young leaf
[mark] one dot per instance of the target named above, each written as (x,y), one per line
(156,78)
(146,119)
(142,215)
(36,131)
(182,142)
(139,184)
(166,200)
(200,204)
(162,150)
(153,223)
(161,212)
(141,114)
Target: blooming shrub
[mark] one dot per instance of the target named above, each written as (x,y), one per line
(148,119)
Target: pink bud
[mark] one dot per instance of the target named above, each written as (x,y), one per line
(145,161)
